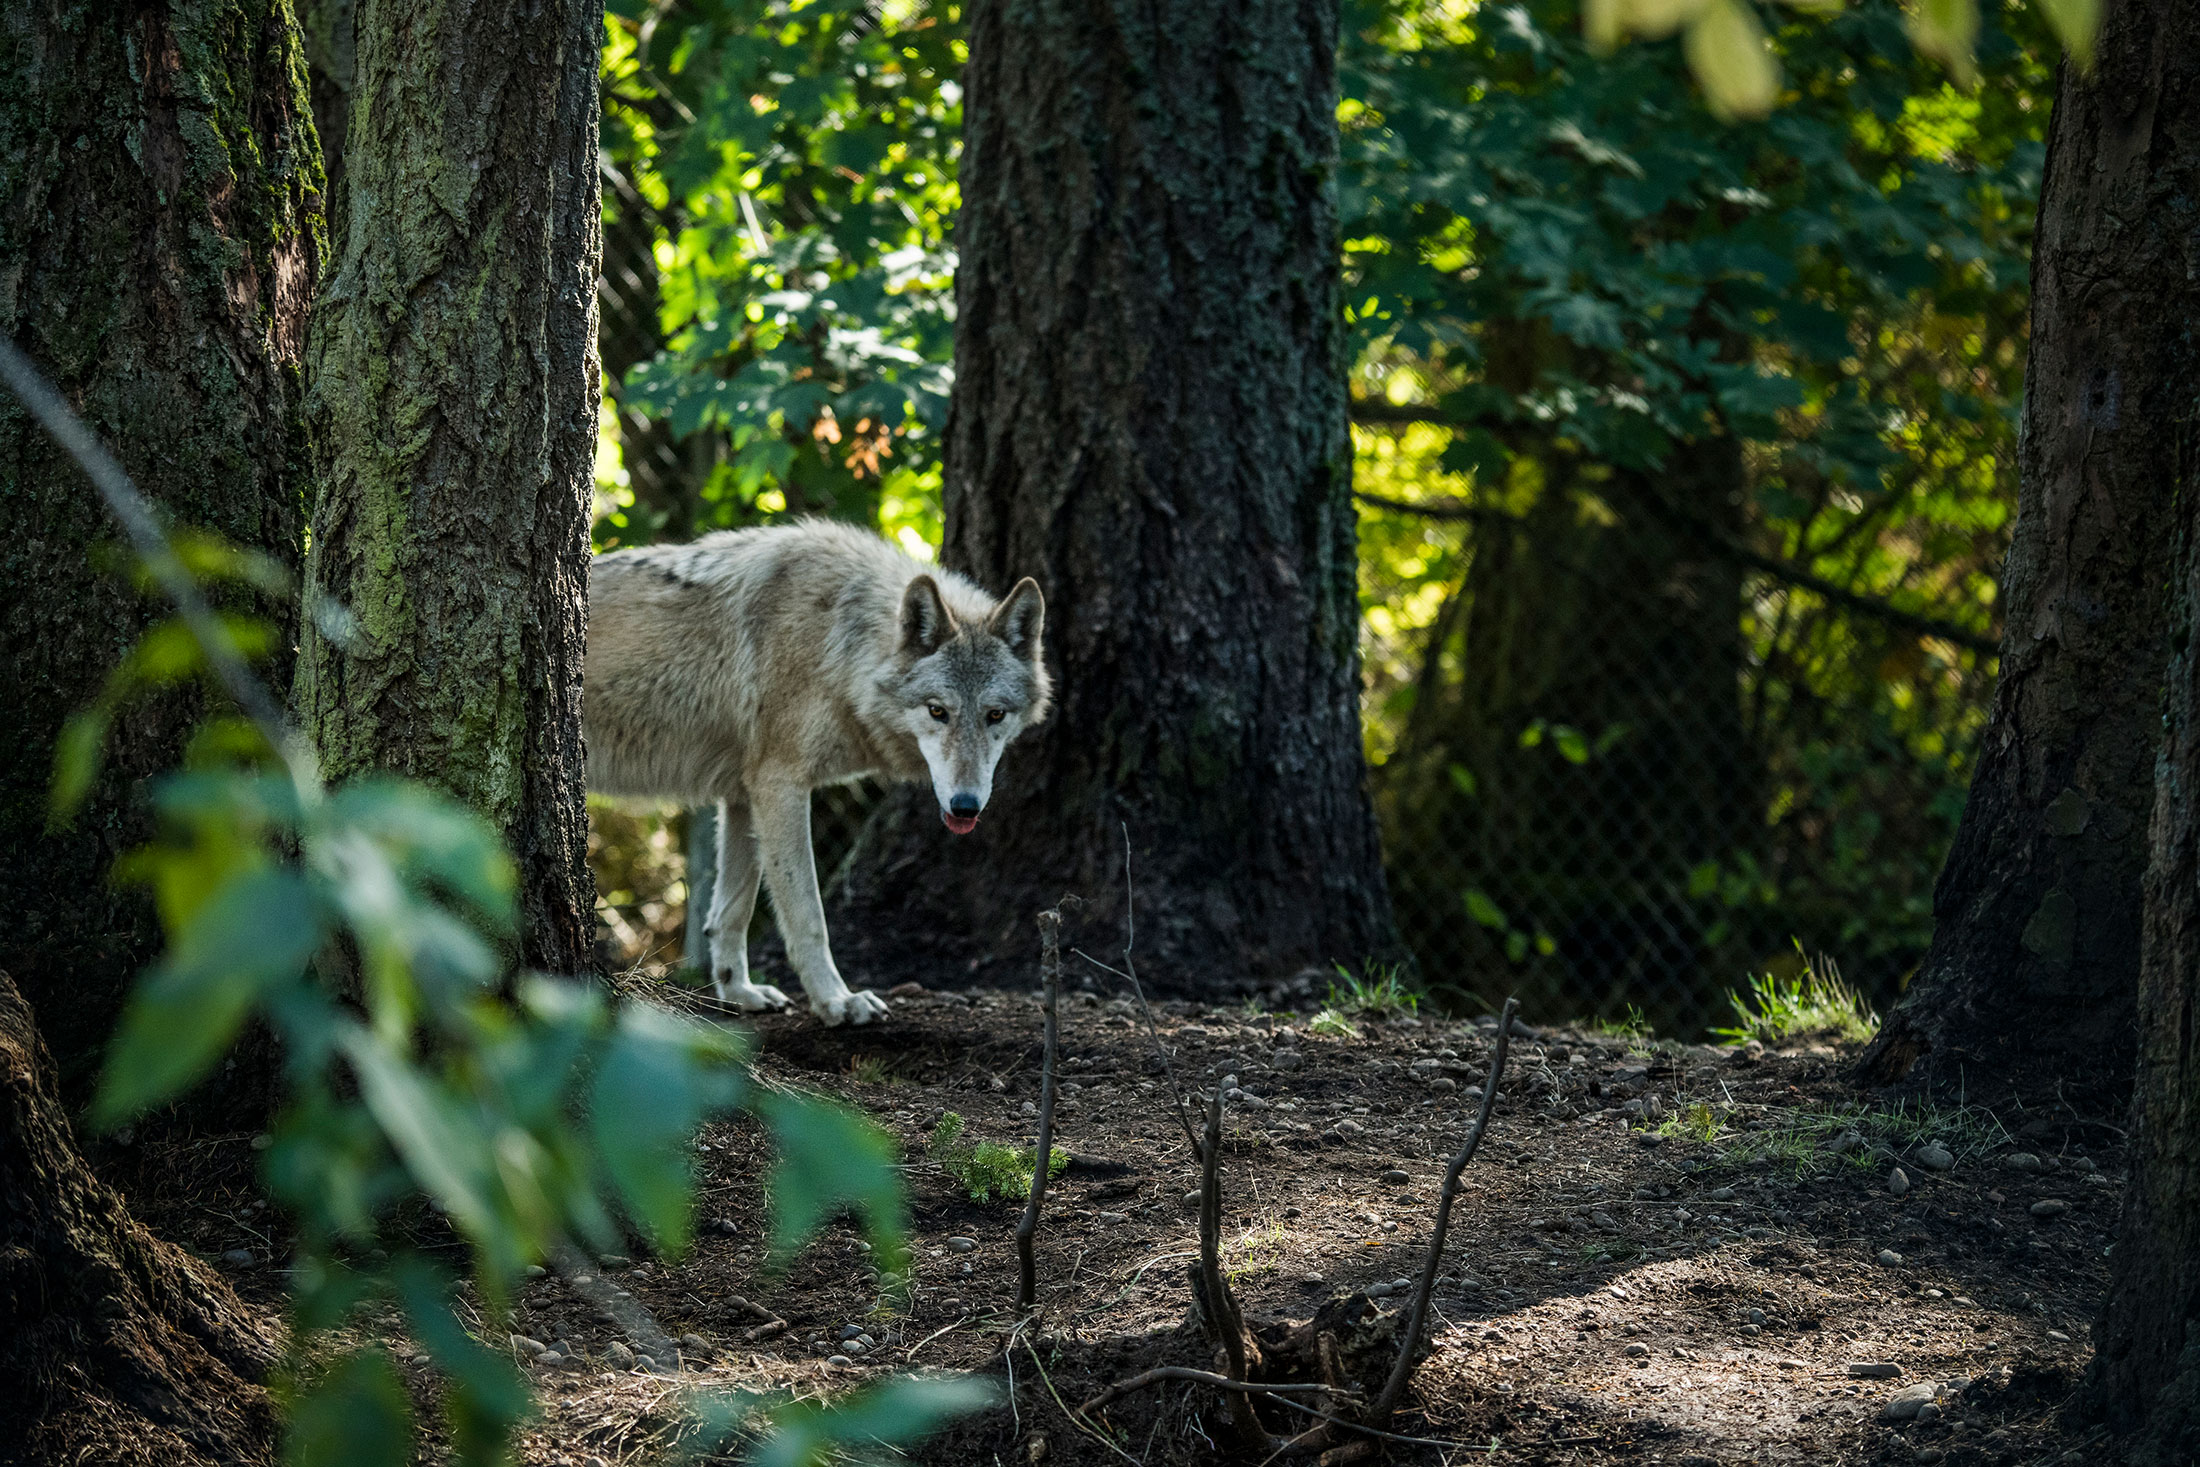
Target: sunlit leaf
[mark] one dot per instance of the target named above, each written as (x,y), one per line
(258,929)
(1481,910)
(1947,31)
(432,837)
(1726,49)
(895,1414)
(357,1415)
(2077,24)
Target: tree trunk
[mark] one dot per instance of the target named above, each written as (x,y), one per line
(1149,416)
(158,255)
(2037,911)
(118,1347)
(2135,124)
(454,404)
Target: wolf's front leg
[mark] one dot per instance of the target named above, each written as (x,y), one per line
(732,904)
(782,814)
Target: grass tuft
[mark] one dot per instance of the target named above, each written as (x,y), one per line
(987,1170)
(1332,1025)
(1381,991)
(1816,1001)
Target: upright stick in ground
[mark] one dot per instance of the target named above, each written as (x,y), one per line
(1027,1229)
(1409,1339)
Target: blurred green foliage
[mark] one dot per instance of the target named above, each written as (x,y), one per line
(1719,414)
(371,927)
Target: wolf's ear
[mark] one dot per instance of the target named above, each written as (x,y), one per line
(1020,618)
(925,620)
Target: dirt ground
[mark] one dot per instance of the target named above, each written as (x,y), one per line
(1663,1254)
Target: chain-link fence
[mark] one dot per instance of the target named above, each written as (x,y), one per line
(1620,764)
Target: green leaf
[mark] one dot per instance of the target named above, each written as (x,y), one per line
(1947,31)
(831,1157)
(895,1414)
(485,1396)
(432,837)
(2077,24)
(1483,911)
(257,930)
(76,760)
(658,1079)
(438,1139)
(355,1416)
(1726,49)
(1572,747)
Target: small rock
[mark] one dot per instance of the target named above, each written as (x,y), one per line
(1889,1258)
(646,1363)
(534,1271)
(550,1360)
(1722,1194)
(1928,1413)
(1933,1157)
(1873,1370)
(1753,1329)
(1350,1128)
(239,1258)
(962,1245)
(1756,1316)
(1904,1404)
(1191,1199)
(1845,1143)
(526,1346)
(906,990)
(2022,1161)
(1110,1219)
(694,1342)
(1636,1351)
(1395,1178)
(619,1357)
(1286,1060)
(2045,1207)
(850,1331)
(838,1360)
(1378,1291)
(1898,1182)
(1443,1085)
(2058,1337)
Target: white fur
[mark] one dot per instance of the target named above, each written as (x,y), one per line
(752,666)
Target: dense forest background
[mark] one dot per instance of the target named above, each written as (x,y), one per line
(1685,447)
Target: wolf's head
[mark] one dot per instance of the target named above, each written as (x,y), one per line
(965,689)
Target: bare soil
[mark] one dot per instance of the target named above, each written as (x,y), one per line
(1664,1253)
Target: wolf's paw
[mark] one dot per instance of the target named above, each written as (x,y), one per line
(754,997)
(860,1007)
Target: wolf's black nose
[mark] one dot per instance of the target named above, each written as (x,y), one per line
(963,806)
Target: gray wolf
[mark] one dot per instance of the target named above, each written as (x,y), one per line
(752,666)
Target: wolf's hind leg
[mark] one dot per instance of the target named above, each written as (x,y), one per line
(782,814)
(733,903)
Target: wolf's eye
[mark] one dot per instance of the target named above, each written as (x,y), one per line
(937,711)
(995,715)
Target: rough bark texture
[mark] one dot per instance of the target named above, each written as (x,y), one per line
(1149,416)
(118,1347)
(454,406)
(2144,108)
(2037,937)
(159,245)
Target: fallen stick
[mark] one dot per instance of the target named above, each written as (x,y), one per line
(1162,1373)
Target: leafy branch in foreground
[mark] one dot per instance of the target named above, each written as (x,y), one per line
(371,928)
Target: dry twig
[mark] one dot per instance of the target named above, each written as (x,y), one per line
(1409,1340)
(1027,1229)
(1129,973)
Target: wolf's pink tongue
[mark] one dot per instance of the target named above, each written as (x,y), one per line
(960,824)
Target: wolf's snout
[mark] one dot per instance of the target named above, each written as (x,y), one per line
(961,814)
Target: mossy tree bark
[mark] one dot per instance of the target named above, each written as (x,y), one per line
(2038,908)
(1149,416)
(454,404)
(159,248)
(118,1347)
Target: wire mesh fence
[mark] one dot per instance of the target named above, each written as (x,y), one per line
(1620,766)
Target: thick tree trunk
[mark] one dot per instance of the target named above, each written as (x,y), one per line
(118,1347)
(159,246)
(2142,109)
(1149,416)
(454,404)
(2037,945)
